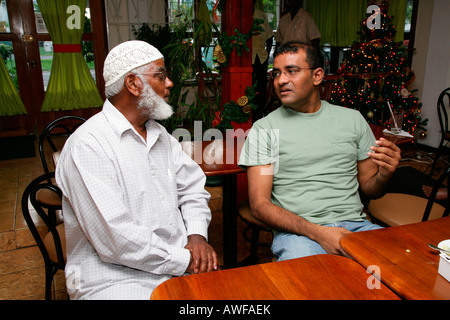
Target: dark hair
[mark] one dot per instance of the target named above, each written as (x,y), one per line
(314,57)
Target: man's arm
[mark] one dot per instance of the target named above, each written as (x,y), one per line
(193,201)
(260,180)
(375,172)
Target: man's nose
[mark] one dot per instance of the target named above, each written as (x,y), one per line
(283,78)
(168,83)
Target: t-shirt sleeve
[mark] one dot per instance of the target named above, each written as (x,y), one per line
(366,138)
(260,147)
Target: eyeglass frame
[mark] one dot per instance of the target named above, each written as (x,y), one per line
(163,73)
(277,74)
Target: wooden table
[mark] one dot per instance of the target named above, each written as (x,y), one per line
(378,133)
(406,264)
(220,158)
(324,277)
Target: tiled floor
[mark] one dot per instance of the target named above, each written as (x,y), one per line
(21,264)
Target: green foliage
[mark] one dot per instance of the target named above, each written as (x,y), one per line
(181,45)
(238,40)
(5,51)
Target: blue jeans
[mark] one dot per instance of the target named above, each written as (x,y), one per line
(289,246)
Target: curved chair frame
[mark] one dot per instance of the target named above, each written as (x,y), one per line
(433,194)
(66,124)
(443,123)
(47,213)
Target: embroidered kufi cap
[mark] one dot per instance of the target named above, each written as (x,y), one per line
(127,56)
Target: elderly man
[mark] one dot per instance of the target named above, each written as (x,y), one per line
(135,208)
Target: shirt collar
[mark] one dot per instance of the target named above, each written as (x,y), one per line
(120,124)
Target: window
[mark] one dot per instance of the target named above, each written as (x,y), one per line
(4,20)
(184,10)
(408,17)
(272,10)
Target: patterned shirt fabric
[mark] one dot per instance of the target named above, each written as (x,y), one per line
(302,28)
(128,206)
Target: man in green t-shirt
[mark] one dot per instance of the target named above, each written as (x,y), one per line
(306,161)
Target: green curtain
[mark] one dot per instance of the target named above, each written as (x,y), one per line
(397,10)
(71,85)
(339,21)
(10,102)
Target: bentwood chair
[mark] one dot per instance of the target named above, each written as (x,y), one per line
(394,209)
(41,208)
(61,127)
(255,227)
(442,105)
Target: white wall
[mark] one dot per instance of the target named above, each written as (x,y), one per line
(431,62)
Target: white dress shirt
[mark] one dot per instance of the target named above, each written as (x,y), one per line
(128,207)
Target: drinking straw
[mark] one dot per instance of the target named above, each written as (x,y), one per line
(392,115)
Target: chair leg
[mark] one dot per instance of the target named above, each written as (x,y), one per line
(436,158)
(49,275)
(48,284)
(254,241)
(254,244)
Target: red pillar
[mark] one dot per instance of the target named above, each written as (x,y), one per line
(237,76)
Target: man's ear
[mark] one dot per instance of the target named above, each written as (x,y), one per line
(318,75)
(133,84)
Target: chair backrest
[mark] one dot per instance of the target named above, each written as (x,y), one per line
(442,105)
(439,184)
(47,213)
(61,127)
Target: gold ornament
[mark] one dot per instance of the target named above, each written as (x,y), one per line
(247,108)
(217,51)
(370,114)
(221,58)
(242,101)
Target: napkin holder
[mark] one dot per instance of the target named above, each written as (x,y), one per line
(444,266)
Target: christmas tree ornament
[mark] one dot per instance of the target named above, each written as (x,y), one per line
(247,108)
(242,101)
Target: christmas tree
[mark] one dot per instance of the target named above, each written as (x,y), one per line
(375,75)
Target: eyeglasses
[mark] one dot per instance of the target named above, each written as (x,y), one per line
(162,74)
(290,72)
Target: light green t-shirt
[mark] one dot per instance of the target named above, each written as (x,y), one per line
(315,159)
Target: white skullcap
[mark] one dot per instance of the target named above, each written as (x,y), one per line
(127,56)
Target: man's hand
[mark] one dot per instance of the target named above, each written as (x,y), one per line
(329,237)
(203,256)
(386,155)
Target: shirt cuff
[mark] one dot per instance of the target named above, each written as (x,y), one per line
(179,262)
(197,227)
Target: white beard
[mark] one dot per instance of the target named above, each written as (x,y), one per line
(153,106)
